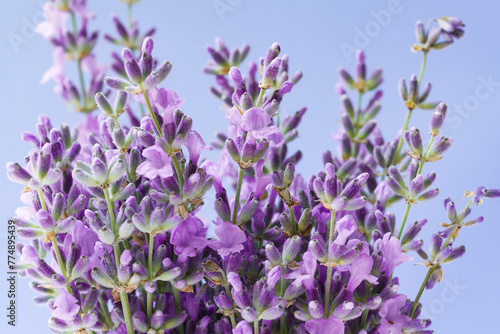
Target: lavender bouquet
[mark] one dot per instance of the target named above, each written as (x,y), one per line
(115,235)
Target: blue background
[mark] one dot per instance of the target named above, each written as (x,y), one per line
(312,33)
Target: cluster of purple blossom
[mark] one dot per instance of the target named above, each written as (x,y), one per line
(116,203)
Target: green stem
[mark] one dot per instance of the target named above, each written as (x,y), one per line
(60,262)
(256,327)
(400,142)
(283,325)
(422,68)
(228,294)
(126,312)
(130,21)
(259,99)
(105,312)
(328,283)
(149,296)
(111,209)
(237,198)
(425,155)
(152,113)
(294,222)
(116,249)
(178,170)
(42,200)
(177,305)
(424,283)
(79,63)
(404,221)
(364,317)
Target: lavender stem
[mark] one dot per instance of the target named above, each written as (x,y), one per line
(237,197)
(328,281)
(149,296)
(151,113)
(424,283)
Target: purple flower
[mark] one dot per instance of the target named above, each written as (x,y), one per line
(332,325)
(56,71)
(231,239)
(157,163)
(55,21)
(392,321)
(360,271)
(305,274)
(390,248)
(243,328)
(166,100)
(66,306)
(195,145)
(188,237)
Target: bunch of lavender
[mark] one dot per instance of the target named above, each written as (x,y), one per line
(116,205)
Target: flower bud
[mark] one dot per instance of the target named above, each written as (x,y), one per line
(102,279)
(103,103)
(437,119)
(291,249)
(428,195)
(273,254)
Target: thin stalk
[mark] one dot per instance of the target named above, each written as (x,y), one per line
(177,305)
(424,283)
(126,312)
(178,170)
(294,222)
(79,64)
(149,296)
(152,113)
(256,327)
(237,198)
(404,221)
(259,99)
(127,315)
(364,317)
(425,155)
(60,262)
(111,209)
(228,294)
(42,200)
(283,325)
(422,68)
(328,282)
(105,312)
(130,20)
(400,142)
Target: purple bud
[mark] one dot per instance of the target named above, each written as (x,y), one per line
(437,119)
(147,46)
(291,249)
(416,186)
(116,83)
(413,89)
(428,195)
(420,32)
(403,90)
